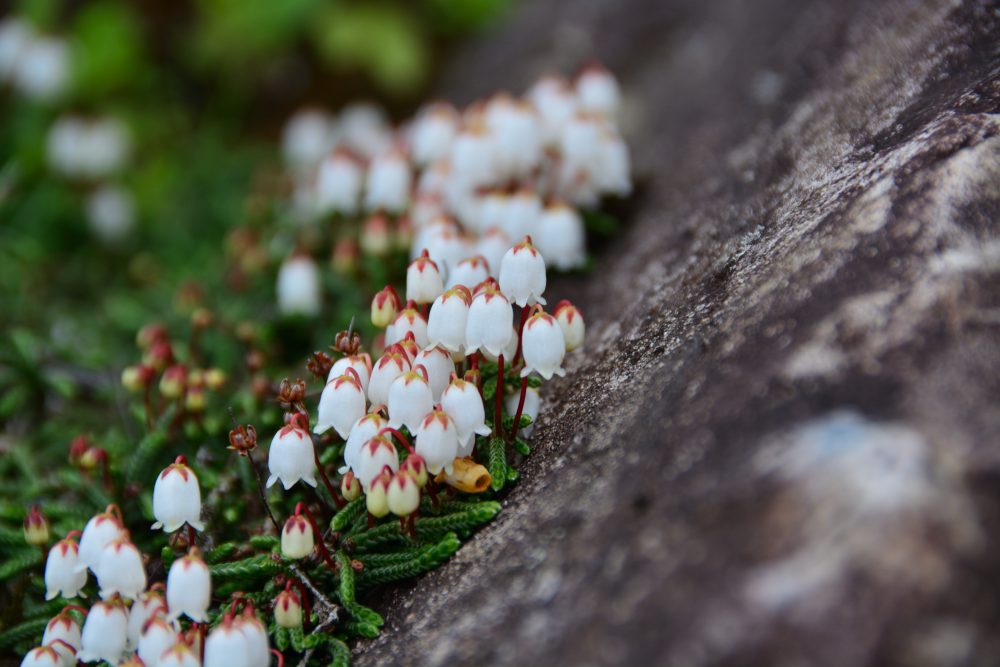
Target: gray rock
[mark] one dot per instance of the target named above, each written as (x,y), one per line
(780,446)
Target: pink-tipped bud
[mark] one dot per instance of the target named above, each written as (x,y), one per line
(571,322)
(350,487)
(173,381)
(288,610)
(377,499)
(385,305)
(36,528)
(416,467)
(297,539)
(137,378)
(403,496)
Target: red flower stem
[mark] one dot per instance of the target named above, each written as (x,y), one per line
(75,607)
(301,509)
(520,334)
(263,492)
(497,426)
(279,656)
(303,598)
(74,533)
(202,631)
(399,436)
(191,535)
(520,408)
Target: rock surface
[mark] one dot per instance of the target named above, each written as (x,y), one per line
(781,444)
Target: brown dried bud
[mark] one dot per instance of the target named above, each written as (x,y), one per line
(348,342)
(243,439)
(260,386)
(319,364)
(291,393)
(254,360)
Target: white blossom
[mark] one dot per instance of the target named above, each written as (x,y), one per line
(189,587)
(437,441)
(341,404)
(177,498)
(374,456)
(120,570)
(105,632)
(490,322)
(410,398)
(62,574)
(522,274)
(299,289)
(561,237)
(463,403)
(543,346)
(291,457)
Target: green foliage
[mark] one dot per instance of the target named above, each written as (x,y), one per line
(497,452)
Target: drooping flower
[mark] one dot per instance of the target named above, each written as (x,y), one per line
(63,628)
(469,272)
(258,647)
(439,366)
(105,632)
(364,429)
(287,610)
(390,366)
(598,92)
(437,440)
(571,322)
(521,215)
(350,487)
(63,576)
(462,402)
(389,183)
(361,363)
(291,457)
(179,655)
(36,528)
(448,317)
(433,132)
(532,404)
(424,281)
(189,587)
(226,645)
(339,182)
(491,246)
(43,656)
(403,495)
(157,636)
(377,453)
(341,404)
(299,290)
(410,398)
(543,346)
(376,500)
(522,274)
(99,531)
(147,606)
(385,305)
(561,237)
(297,540)
(490,322)
(120,571)
(177,498)
(409,320)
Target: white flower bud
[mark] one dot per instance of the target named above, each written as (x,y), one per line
(490,322)
(598,92)
(226,645)
(63,573)
(156,638)
(437,441)
(571,322)
(15,35)
(376,236)
(522,274)
(376,454)
(556,103)
(472,157)
(120,570)
(287,610)
(580,146)
(447,248)
(468,273)
(361,363)
(177,498)
(377,498)
(101,530)
(521,216)
(299,286)
(562,239)
(291,457)
(178,655)
(363,430)
(258,647)
(614,173)
(390,366)
(543,346)
(111,213)
(365,129)
(189,587)
(492,211)
(409,320)
(423,280)
(339,181)
(105,632)
(410,398)
(440,367)
(297,540)
(432,133)
(492,246)
(389,183)
(307,137)
(44,656)
(403,496)
(447,320)
(149,605)
(64,628)
(509,350)
(532,404)
(43,68)
(463,403)
(341,404)
(517,141)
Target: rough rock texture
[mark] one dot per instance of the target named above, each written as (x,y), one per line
(782,445)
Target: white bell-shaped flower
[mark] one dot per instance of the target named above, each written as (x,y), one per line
(472,157)
(365,129)
(105,632)
(157,636)
(468,273)
(307,137)
(258,647)
(556,102)
(376,454)
(570,320)
(613,174)
(339,182)
(149,605)
(177,498)
(297,539)
(341,404)
(509,350)
(189,587)
(437,441)
(363,430)
(299,290)
(423,279)
(543,346)
(532,405)
(561,237)
(120,570)
(440,367)
(463,403)
(361,363)
(389,183)
(102,529)
(410,398)
(390,366)
(409,347)
(492,245)
(43,68)
(111,213)
(490,322)
(598,92)
(62,574)
(375,236)
(522,274)
(226,645)
(447,249)
(179,655)
(44,656)
(517,133)
(63,628)
(432,133)
(403,494)
(291,457)
(447,319)
(409,320)
(522,214)
(492,212)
